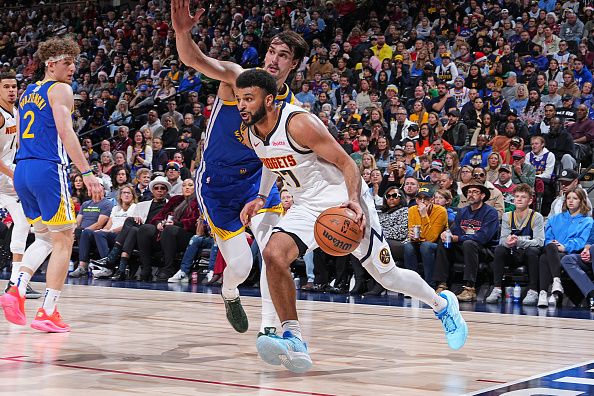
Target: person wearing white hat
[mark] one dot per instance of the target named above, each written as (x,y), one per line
(126,239)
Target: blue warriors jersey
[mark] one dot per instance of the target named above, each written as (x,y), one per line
(41,176)
(38,135)
(230,172)
(223,145)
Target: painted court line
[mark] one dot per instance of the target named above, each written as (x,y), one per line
(528,378)
(167,377)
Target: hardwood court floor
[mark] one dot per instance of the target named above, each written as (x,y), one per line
(143,342)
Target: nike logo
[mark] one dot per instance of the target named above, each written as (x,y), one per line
(256,144)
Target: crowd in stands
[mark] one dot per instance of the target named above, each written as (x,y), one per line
(470,122)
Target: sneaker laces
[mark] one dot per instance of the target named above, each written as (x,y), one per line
(449,323)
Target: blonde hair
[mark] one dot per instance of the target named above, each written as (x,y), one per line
(56,47)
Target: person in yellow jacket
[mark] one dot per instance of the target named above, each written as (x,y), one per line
(431,221)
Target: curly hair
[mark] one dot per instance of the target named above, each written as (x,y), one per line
(57,46)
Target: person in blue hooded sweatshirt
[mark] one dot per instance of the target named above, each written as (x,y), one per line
(565,233)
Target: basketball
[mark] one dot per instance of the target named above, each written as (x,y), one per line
(336,231)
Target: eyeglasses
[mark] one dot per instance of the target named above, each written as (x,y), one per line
(395,196)
(477,175)
(160,188)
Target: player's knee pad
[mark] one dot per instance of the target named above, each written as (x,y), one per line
(40,249)
(18,239)
(238,256)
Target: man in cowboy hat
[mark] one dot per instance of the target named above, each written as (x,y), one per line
(473,232)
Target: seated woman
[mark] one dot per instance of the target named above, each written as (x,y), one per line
(105,237)
(173,226)
(126,239)
(139,154)
(141,185)
(580,269)
(565,233)
(93,216)
(79,191)
(106,163)
(394,221)
(120,177)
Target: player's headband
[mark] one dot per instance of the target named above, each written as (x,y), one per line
(57,58)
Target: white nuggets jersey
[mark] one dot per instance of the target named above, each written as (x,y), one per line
(8,147)
(313,182)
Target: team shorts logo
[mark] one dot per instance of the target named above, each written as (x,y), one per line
(384,256)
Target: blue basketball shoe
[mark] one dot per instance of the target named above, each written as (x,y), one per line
(453,323)
(287,350)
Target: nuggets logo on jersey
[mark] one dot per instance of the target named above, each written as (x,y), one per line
(279,162)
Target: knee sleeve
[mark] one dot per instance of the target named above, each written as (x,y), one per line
(36,254)
(20,230)
(238,256)
(262,225)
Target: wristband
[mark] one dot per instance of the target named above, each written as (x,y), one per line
(263,197)
(87,173)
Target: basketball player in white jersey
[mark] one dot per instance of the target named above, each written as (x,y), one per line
(8,197)
(229,172)
(319,174)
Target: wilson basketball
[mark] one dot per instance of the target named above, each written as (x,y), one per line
(336,231)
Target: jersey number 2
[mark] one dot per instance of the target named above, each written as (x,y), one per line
(284,173)
(26,133)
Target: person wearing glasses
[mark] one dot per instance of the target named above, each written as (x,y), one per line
(473,233)
(126,240)
(495,200)
(432,220)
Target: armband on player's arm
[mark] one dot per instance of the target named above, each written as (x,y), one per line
(266,182)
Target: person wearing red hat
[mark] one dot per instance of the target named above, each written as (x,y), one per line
(522,172)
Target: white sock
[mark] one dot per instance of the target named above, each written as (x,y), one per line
(14,275)
(51,298)
(294,327)
(438,303)
(22,281)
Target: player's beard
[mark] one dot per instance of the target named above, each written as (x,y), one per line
(257,116)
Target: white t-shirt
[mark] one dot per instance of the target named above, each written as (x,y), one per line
(118,215)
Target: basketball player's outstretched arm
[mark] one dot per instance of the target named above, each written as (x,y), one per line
(309,131)
(189,52)
(62,100)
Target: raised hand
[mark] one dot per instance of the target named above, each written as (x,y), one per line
(181,18)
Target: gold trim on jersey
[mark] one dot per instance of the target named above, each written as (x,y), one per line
(229,102)
(33,221)
(276,209)
(61,217)
(223,234)
(52,86)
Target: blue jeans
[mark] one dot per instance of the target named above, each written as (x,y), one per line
(426,250)
(195,246)
(256,254)
(576,269)
(309,265)
(84,244)
(104,240)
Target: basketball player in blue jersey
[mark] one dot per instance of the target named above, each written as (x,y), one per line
(46,140)
(8,197)
(229,174)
